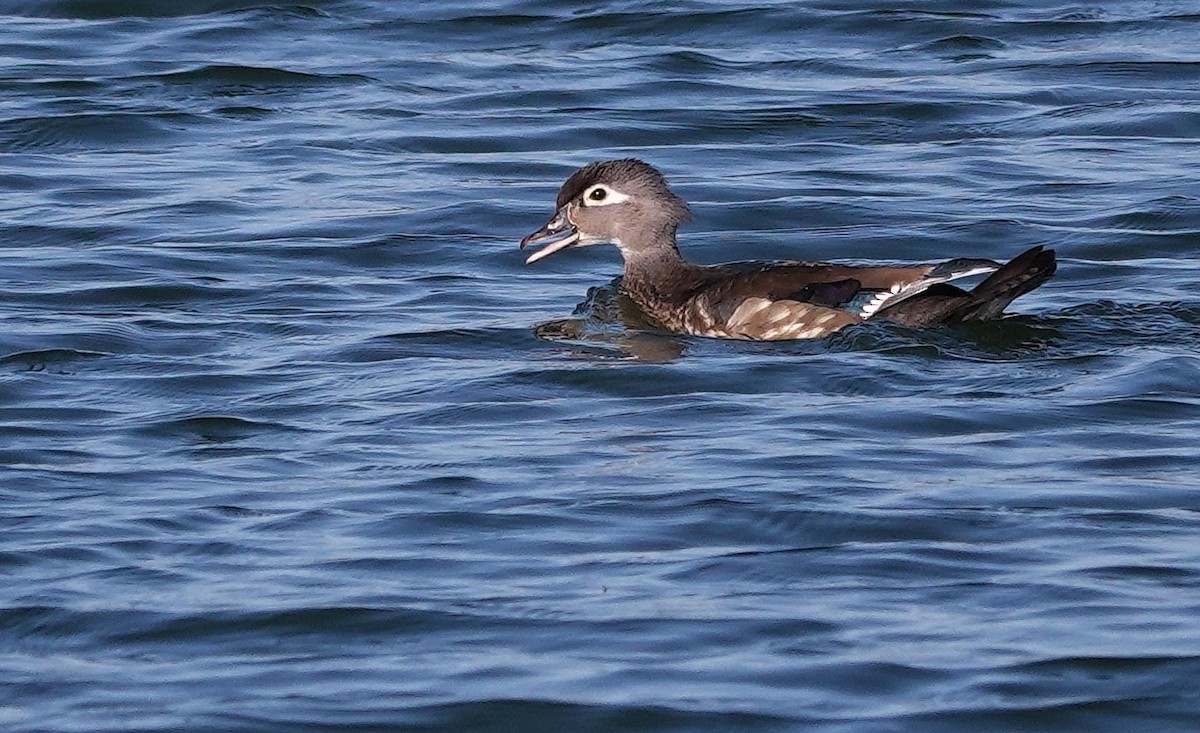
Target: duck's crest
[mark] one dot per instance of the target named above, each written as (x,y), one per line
(630,171)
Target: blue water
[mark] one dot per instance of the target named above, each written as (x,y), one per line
(292,440)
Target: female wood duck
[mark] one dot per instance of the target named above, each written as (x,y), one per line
(628,203)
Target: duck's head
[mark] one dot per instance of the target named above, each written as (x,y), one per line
(623,202)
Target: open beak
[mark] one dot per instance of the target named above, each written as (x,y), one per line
(559,226)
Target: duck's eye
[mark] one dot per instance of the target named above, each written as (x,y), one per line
(598,194)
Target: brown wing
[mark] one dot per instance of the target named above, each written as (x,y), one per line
(800,300)
(790,279)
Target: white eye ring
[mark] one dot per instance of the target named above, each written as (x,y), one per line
(602,195)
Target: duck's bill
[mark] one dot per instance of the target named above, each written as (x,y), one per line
(558,235)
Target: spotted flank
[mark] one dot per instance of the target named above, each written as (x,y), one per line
(763,319)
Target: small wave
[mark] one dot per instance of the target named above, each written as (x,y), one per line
(117,9)
(214,428)
(56,361)
(1109,326)
(147,294)
(533,714)
(959,48)
(264,77)
(432,343)
(110,130)
(1156,72)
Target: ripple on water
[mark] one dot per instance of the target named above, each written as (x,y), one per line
(292,440)
(126,131)
(58,361)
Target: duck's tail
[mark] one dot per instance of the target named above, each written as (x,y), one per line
(943,303)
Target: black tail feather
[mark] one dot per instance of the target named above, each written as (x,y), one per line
(948,304)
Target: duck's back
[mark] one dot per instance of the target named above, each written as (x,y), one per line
(811,300)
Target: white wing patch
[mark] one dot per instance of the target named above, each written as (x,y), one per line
(899,292)
(872,306)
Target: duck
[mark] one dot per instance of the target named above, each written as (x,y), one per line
(628,203)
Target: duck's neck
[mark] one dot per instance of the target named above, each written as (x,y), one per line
(658,273)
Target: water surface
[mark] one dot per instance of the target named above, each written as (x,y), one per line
(292,440)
